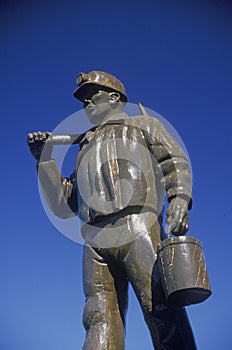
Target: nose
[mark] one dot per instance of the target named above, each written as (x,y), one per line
(88,103)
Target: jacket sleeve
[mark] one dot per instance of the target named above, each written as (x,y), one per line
(173,161)
(60,192)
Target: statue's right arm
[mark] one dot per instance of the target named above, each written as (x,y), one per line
(60,192)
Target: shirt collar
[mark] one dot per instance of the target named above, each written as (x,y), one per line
(118,118)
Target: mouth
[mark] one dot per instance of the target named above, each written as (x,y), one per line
(89,109)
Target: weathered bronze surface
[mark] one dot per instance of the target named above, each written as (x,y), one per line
(107,270)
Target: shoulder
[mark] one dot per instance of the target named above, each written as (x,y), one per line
(145,122)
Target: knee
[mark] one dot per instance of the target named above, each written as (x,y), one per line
(95,312)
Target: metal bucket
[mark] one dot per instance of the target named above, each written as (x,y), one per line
(183,271)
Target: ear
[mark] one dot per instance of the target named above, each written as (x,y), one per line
(114,97)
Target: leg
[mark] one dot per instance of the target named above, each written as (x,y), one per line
(106,299)
(169,326)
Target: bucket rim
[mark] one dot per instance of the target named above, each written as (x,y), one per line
(178,240)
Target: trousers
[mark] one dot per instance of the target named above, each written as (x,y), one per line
(106,274)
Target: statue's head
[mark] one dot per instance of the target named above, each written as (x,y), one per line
(101,93)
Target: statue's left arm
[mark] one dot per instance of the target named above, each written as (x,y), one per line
(177,177)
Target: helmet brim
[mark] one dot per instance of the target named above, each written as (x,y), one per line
(88,89)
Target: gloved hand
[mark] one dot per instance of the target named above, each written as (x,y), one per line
(36,141)
(177,216)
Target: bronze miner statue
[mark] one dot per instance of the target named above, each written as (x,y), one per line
(121,200)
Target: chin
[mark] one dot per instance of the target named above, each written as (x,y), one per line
(93,120)
(96,118)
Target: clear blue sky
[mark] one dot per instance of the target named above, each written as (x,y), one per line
(175,57)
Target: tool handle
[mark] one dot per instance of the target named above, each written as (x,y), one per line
(64,139)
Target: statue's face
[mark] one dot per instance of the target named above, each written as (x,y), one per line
(99,106)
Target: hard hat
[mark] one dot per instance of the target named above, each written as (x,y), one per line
(91,83)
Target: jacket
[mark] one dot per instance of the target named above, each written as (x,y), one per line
(125,164)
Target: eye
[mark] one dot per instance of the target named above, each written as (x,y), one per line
(101,96)
(98,97)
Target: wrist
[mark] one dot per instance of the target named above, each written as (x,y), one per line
(184,197)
